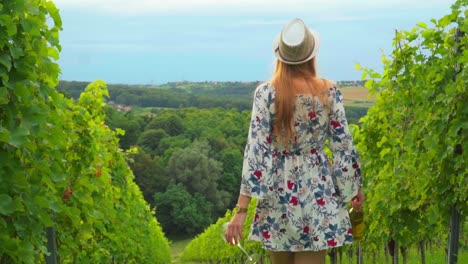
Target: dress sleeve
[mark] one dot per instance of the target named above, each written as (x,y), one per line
(346,169)
(257,165)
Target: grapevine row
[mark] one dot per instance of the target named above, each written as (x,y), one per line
(60,167)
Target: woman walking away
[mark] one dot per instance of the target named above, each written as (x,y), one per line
(302,195)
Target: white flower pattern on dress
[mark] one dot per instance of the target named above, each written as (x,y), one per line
(301,197)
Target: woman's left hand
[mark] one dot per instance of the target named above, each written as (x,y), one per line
(233,233)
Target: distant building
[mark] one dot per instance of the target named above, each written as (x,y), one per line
(120,107)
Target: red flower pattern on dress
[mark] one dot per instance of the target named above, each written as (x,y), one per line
(312,115)
(335,124)
(258,174)
(306,230)
(294,200)
(290,184)
(321,201)
(332,242)
(266,234)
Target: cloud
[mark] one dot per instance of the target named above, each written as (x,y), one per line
(240,7)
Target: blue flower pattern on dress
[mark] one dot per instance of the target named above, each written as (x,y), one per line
(301,196)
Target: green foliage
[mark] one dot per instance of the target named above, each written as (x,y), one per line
(170,122)
(181,212)
(61,166)
(149,174)
(168,145)
(232,169)
(195,175)
(206,158)
(128,122)
(411,140)
(354,113)
(149,140)
(194,168)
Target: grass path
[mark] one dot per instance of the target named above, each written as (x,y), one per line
(177,248)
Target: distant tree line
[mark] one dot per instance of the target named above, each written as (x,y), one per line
(237,96)
(227,95)
(352,83)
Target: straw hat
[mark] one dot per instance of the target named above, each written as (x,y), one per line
(296,43)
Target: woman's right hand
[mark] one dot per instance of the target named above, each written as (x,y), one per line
(358,200)
(233,233)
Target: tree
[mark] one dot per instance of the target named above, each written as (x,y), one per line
(199,173)
(149,174)
(169,145)
(232,171)
(181,213)
(149,140)
(169,122)
(128,122)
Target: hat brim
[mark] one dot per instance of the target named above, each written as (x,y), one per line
(314,52)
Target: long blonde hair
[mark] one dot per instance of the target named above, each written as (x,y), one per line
(286,92)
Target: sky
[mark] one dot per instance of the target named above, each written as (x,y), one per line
(160,41)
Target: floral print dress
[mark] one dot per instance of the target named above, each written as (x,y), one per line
(301,194)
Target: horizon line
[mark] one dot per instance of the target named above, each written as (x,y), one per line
(187,81)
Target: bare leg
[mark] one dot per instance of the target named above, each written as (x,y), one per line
(309,257)
(281,257)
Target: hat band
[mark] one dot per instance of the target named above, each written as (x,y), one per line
(286,60)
